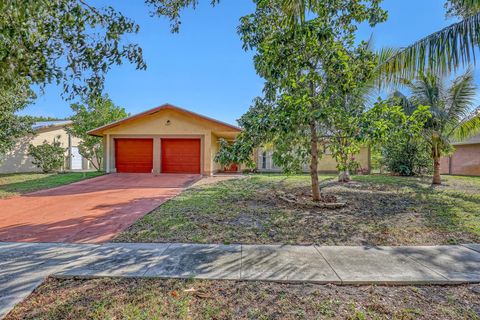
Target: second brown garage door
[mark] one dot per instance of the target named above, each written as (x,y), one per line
(180,155)
(134,155)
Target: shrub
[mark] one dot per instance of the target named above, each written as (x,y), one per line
(407,158)
(47,156)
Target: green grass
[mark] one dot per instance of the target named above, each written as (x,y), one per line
(381,210)
(110,298)
(20,183)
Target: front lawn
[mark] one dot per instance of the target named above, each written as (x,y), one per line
(19,183)
(201,299)
(381,210)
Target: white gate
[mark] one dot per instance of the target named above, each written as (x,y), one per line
(75,159)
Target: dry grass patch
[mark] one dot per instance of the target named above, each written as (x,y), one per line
(380,210)
(196,299)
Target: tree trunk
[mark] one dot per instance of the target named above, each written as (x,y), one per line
(344,176)
(316,196)
(436,170)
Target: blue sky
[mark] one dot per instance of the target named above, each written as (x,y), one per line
(203,68)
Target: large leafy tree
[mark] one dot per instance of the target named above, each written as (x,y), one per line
(454,115)
(93,113)
(309,69)
(68,42)
(15,94)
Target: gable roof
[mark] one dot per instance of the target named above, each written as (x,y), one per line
(167,106)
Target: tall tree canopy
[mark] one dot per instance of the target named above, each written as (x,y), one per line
(67,42)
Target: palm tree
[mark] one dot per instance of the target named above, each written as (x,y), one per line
(452,108)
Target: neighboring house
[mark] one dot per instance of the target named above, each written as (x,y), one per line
(465,160)
(165,139)
(326,163)
(18,159)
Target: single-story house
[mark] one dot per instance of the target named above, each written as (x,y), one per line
(326,163)
(465,160)
(165,139)
(170,139)
(18,159)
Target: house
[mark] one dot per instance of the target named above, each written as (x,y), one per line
(326,163)
(18,159)
(465,160)
(170,139)
(165,139)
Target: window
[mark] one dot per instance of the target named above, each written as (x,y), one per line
(264,160)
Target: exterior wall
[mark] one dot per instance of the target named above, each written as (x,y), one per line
(166,124)
(464,161)
(325,164)
(445,165)
(214,149)
(18,160)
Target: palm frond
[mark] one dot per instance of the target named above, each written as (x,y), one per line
(402,100)
(383,55)
(469,127)
(442,52)
(461,96)
(428,90)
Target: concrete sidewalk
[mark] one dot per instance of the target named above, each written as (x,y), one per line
(23,266)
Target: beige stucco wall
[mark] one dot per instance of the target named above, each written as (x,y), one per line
(328,163)
(214,149)
(18,160)
(167,124)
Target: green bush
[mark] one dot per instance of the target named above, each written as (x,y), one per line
(409,157)
(48,156)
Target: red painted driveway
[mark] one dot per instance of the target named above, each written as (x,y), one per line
(93,210)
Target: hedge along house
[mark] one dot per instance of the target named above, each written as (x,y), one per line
(165,139)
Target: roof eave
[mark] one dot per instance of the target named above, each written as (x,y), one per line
(99,131)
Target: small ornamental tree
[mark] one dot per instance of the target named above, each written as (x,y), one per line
(387,128)
(93,113)
(454,113)
(47,156)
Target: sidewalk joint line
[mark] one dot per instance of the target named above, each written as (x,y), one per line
(241,260)
(321,254)
(476,251)
(160,253)
(425,266)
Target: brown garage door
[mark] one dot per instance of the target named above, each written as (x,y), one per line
(134,155)
(180,155)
